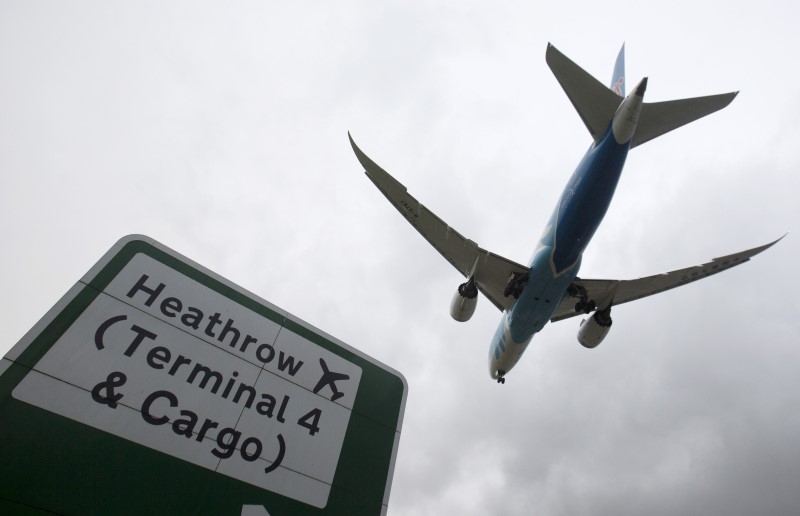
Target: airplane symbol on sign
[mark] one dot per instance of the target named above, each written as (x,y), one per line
(330,378)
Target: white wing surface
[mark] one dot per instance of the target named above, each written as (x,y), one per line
(491,272)
(630,290)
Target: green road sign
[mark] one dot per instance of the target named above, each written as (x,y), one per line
(155,386)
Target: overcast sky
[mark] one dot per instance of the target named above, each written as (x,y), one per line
(220,129)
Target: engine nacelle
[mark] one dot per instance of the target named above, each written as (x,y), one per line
(594,329)
(464,302)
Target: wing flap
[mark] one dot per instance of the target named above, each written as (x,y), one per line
(631,290)
(491,271)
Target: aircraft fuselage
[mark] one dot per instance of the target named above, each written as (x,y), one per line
(557,258)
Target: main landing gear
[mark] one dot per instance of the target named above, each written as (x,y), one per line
(584,304)
(501,377)
(516,284)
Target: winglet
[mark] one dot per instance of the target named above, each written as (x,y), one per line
(767,246)
(362,158)
(375,173)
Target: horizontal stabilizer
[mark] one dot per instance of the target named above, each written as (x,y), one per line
(658,118)
(594,102)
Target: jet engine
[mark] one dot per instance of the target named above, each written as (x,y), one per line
(464,301)
(594,329)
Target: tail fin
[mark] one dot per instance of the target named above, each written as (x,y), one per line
(618,79)
(597,104)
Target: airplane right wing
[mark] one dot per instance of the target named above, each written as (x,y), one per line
(623,291)
(491,272)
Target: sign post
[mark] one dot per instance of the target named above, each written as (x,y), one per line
(155,386)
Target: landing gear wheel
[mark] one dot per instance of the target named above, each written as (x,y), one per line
(585,306)
(516,284)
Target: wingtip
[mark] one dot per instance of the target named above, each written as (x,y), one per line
(767,246)
(778,240)
(354,146)
(370,167)
(764,247)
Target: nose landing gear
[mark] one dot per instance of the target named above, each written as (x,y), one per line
(501,377)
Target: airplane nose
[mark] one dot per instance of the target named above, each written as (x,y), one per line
(497,374)
(494,369)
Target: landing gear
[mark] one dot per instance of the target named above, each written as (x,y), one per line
(501,377)
(584,304)
(516,283)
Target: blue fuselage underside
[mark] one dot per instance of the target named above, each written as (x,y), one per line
(557,258)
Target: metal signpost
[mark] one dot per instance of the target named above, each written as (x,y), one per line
(155,386)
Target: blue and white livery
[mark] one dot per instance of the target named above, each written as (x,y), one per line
(548,288)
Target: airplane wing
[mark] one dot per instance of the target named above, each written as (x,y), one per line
(630,290)
(491,272)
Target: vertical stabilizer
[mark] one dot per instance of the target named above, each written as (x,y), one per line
(618,79)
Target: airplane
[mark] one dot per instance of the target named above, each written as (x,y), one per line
(548,289)
(330,378)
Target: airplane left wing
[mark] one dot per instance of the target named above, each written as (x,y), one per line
(490,271)
(631,290)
